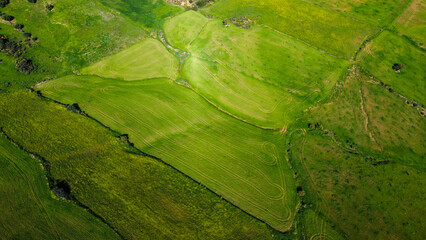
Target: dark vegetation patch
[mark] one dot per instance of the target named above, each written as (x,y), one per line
(62,189)
(241,22)
(3,3)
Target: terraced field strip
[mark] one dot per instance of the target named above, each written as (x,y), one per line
(28,209)
(242,163)
(259,75)
(144,60)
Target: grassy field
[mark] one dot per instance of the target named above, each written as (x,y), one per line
(367,149)
(376,12)
(139,196)
(28,209)
(383,52)
(147,59)
(184,28)
(244,164)
(259,75)
(412,22)
(326,29)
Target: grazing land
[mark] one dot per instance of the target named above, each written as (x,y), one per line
(388,50)
(239,161)
(323,28)
(28,208)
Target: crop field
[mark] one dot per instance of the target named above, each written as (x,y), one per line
(259,75)
(144,60)
(139,196)
(323,28)
(389,49)
(28,210)
(241,162)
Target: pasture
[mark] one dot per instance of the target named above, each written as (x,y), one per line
(412,22)
(259,75)
(388,49)
(323,28)
(139,196)
(244,164)
(28,210)
(368,148)
(144,60)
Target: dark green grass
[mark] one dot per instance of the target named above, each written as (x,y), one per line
(28,210)
(139,196)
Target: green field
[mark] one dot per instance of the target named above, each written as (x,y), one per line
(323,28)
(259,75)
(139,196)
(388,49)
(144,60)
(411,23)
(361,155)
(28,209)
(243,163)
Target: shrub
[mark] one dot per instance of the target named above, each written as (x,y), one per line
(49,7)
(3,3)
(32,1)
(25,65)
(27,35)
(7,17)
(19,26)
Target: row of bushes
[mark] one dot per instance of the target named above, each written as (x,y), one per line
(16,50)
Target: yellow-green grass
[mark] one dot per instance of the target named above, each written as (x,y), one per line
(73,35)
(412,23)
(363,168)
(325,29)
(184,28)
(242,163)
(377,12)
(259,75)
(383,52)
(147,59)
(28,210)
(139,196)
(315,227)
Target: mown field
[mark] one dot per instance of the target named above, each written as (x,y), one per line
(243,163)
(139,196)
(146,59)
(259,75)
(28,209)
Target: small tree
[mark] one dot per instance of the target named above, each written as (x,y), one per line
(49,7)
(32,1)
(19,26)
(3,3)
(7,17)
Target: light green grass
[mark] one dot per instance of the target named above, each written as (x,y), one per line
(412,23)
(139,196)
(244,164)
(147,59)
(28,210)
(326,29)
(388,49)
(259,75)
(184,28)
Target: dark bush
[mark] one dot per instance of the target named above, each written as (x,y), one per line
(3,3)
(25,65)
(19,26)
(7,17)
(27,35)
(32,1)
(49,7)
(62,189)
(397,67)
